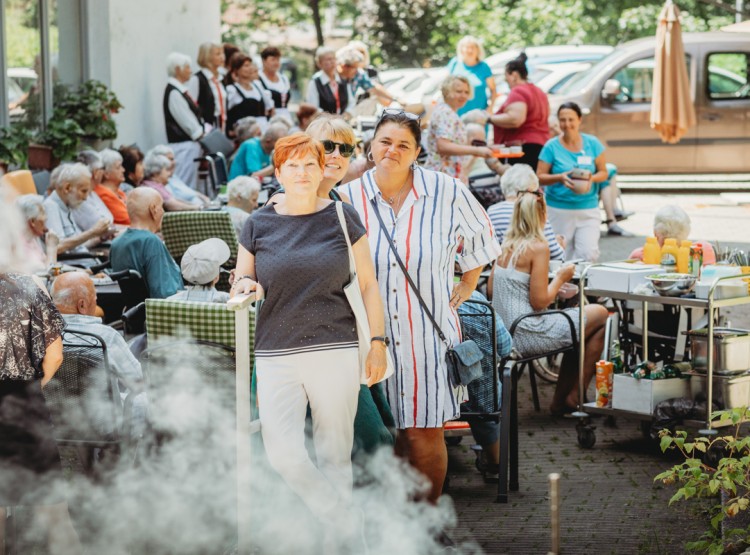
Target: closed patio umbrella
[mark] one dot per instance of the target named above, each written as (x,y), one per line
(672,110)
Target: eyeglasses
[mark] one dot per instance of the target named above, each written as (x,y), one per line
(346,150)
(478,142)
(395,112)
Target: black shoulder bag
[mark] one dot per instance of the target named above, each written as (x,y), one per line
(465,359)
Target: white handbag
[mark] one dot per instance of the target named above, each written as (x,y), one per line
(354,296)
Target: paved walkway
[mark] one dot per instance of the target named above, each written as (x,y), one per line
(609,501)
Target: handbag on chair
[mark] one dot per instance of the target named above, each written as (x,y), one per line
(465,359)
(216,141)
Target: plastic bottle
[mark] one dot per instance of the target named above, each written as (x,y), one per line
(683,257)
(615,357)
(669,255)
(651,251)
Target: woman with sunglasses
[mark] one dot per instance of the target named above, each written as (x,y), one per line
(427,215)
(520,285)
(448,151)
(339,142)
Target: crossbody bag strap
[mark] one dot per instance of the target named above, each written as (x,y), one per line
(406,273)
(342,222)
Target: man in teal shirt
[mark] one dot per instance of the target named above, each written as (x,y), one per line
(255,154)
(140,249)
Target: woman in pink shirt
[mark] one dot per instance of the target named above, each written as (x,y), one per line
(156,170)
(523,117)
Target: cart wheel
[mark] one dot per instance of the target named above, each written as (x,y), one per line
(452,441)
(586,437)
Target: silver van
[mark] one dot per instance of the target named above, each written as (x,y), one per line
(615,95)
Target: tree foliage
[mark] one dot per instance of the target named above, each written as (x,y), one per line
(425,32)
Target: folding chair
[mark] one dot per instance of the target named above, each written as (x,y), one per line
(183,229)
(84,401)
(484,395)
(41,181)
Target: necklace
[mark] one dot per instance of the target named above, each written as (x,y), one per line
(392,199)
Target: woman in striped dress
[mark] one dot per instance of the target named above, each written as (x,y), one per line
(428,215)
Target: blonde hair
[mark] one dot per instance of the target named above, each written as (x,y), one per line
(361,47)
(204,51)
(467,40)
(331,127)
(446,87)
(526,225)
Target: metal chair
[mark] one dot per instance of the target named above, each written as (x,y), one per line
(84,402)
(484,393)
(134,293)
(183,229)
(526,363)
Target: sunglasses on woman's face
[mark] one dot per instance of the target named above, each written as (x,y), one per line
(346,150)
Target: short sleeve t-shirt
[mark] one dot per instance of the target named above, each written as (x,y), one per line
(562,160)
(302,263)
(477,75)
(143,251)
(535,129)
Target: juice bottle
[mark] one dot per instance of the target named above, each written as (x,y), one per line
(651,251)
(683,257)
(669,255)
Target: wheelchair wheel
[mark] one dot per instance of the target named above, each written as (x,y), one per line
(548,368)
(586,436)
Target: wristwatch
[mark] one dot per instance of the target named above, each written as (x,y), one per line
(385,340)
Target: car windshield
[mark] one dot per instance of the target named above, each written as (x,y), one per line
(579,82)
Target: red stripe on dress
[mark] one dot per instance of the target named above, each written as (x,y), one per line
(367,212)
(408,307)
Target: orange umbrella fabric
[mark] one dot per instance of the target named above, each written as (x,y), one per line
(672,110)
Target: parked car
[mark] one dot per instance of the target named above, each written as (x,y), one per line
(615,93)
(20,81)
(552,77)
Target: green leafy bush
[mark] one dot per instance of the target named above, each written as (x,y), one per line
(713,466)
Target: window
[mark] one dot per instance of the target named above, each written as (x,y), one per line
(637,81)
(728,76)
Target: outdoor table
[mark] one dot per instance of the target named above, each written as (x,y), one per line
(586,437)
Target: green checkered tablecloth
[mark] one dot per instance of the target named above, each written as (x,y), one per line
(183,229)
(201,321)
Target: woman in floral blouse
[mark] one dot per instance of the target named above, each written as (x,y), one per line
(31,351)
(446,135)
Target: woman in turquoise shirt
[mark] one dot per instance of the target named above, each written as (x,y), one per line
(573,205)
(468,62)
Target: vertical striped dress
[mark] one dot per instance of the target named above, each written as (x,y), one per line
(438,214)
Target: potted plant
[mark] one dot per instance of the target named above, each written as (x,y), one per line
(91,106)
(81,114)
(715,467)
(14,143)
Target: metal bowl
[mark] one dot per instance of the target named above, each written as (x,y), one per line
(672,285)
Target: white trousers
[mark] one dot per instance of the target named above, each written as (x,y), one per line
(329,381)
(185,168)
(580,229)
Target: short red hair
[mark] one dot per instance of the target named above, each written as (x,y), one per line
(297,145)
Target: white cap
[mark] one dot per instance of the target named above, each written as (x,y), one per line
(202,262)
